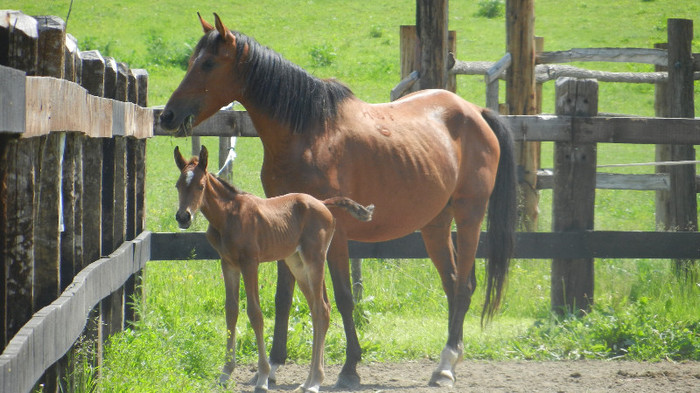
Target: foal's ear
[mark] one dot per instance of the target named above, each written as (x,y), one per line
(203,158)
(205,25)
(179,159)
(223,31)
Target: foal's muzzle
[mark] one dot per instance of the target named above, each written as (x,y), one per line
(184,219)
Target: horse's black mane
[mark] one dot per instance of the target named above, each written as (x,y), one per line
(288,92)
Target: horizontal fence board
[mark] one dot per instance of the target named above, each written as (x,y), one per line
(54,105)
(223,123)
(620,55)
(526,128)
(544,245)
(616,181)
(53,330)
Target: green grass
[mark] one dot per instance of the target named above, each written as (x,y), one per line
(642,311)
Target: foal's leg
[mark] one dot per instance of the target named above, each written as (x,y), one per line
(232,282)
(339,267)
(309,273)
(250,280)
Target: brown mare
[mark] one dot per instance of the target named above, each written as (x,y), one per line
(424,161)
(247,230)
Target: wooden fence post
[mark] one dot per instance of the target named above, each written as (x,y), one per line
(18,248)
(573,197)
(431,24)
(410,55)
(52,37)
(662,152)
(21,34)
(92,78)
(134,198)
(681,103)
(520,99)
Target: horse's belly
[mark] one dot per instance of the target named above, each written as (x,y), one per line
(399,209)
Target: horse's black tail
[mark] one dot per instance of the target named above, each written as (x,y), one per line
(362,213)
(502,216)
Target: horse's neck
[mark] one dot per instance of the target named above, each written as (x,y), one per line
(216,200)
(276,137)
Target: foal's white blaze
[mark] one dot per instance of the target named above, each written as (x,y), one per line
(188,177)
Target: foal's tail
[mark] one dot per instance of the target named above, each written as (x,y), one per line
(362,213)
(502,216)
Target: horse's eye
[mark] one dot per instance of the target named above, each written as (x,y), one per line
(208,65)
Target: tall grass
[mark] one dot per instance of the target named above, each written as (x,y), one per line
(642,310)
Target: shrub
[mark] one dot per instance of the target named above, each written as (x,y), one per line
(490,9)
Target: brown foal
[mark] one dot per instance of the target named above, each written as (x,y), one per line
(247,230)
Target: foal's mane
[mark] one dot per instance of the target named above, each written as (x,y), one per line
(288,92)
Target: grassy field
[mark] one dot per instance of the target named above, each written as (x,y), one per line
(642,310)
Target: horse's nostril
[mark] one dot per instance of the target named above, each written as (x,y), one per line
(167,116)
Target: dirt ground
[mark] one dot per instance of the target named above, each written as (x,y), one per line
(515,376)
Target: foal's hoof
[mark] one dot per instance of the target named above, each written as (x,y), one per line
(443,379)
(259,389)
(348,381)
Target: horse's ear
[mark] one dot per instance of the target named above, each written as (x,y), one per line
(179,159)
(223,31)
(203,158)
(205,25)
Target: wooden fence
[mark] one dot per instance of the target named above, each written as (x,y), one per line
(573,241)
(72,152)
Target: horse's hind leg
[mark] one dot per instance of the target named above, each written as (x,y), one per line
(438,243)
(468,213)
(339,267)
(232,280)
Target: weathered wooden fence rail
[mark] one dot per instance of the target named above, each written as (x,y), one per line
(73,131)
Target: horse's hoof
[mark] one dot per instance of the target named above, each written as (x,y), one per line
(302,389)
(260,389)
(443,379)
(271,381)
(348,381)
(223,380)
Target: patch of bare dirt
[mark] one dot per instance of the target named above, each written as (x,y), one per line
(511,376)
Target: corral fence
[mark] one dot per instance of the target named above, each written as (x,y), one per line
(72,173)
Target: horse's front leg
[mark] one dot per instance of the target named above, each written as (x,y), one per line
(339,267)
(232,282)
(283,306)
(250,280)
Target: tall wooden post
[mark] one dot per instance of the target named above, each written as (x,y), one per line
(520,98)
(573,196)
(431,23)
(681,103)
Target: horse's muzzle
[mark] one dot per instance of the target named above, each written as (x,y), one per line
(169,123)
(184,219)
